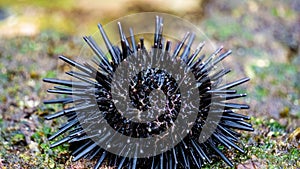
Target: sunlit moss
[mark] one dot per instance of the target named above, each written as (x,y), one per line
(56,4)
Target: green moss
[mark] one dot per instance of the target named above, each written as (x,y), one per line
(280,76)
(28,46)
(3,78)
(224,28)
(51,74)
(283,71)
(17,138)
(261,92)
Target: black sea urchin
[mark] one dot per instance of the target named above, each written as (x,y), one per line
(159,108)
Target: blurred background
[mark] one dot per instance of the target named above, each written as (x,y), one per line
(264,37)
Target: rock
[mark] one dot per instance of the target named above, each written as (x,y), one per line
(253,163)
(33,146)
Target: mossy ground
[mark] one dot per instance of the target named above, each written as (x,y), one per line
(261,35)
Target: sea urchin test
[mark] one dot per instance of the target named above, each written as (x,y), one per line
(163,106)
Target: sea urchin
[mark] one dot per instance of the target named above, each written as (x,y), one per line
(160,108)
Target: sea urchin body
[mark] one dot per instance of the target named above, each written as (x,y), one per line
(160,108)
